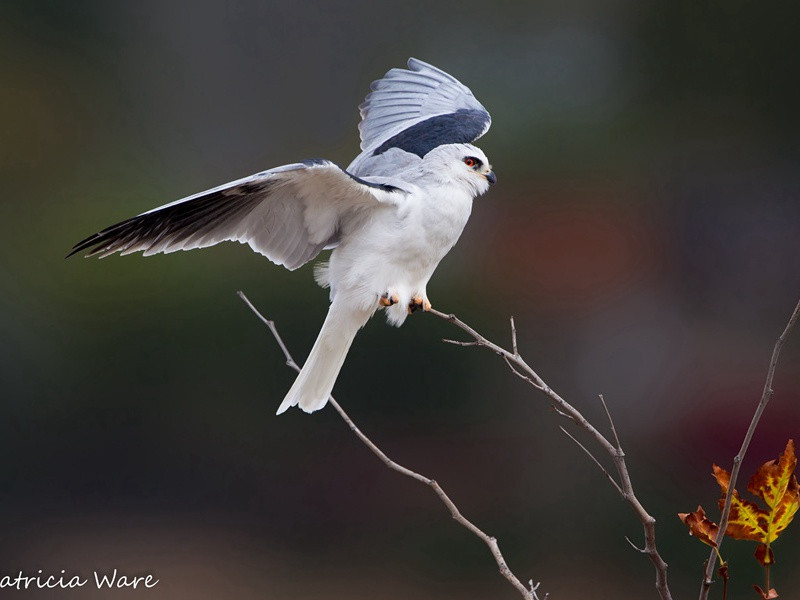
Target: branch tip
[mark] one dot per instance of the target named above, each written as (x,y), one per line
(634,546)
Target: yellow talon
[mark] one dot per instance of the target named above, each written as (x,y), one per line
(419,302)
(387,300)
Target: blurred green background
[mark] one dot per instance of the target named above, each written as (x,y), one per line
(645,233)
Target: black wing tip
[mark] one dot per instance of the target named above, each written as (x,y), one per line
(175,223)
(85,244)
(94,243)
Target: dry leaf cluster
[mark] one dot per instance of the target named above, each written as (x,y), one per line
(776,485)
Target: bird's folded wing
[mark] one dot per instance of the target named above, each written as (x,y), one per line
(288,214)
(418,109)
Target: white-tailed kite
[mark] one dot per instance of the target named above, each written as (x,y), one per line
(390,217)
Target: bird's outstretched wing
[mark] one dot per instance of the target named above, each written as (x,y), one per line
(288,214)
(418,109)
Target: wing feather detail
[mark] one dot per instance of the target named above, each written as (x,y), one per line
(419,98)
(288,214)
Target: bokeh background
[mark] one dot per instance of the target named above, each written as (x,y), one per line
(645,233)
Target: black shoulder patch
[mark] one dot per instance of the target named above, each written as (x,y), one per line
(381,186)
(461,127)
(312,162)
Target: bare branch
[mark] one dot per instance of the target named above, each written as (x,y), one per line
(563,414)
(534,588)
(594,459)
(634,546)
(289,360)
(514,338)
(611,423)
(766,395)
(517,363)
(490,541)
(520,375)
(459,343)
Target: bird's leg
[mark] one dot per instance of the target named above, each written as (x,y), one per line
(388,299)
(419,301)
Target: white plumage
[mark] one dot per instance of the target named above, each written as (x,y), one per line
(390,217)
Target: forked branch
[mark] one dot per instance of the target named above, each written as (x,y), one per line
(491,542)
(563,408)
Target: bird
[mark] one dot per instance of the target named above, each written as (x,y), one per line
(389,218)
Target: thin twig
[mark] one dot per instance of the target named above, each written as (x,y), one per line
(562,414)
(536,587)
(595,461)
(459,343)
(634,546)
(514,338)
(520,375)
(766,395)
(490,541)
(271,324)
(611,423)
(615,452)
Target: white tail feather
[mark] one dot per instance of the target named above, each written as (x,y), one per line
(313,385)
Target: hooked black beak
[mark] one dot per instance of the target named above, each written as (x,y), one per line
(491,177)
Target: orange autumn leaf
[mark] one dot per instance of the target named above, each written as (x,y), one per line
(701,527)
(776,485)
(770,595)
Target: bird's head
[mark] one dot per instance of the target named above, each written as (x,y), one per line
(461,164)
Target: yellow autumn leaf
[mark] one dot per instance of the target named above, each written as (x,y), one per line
(746,519)
(776,485)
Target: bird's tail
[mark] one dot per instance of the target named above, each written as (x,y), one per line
(314,383)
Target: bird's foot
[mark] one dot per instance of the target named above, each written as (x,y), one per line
(388,299)
(419,302)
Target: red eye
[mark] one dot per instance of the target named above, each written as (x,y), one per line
(470,162)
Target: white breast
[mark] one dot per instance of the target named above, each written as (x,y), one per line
(398,248)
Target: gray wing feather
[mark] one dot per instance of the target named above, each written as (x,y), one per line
(288,214)
(412,95)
